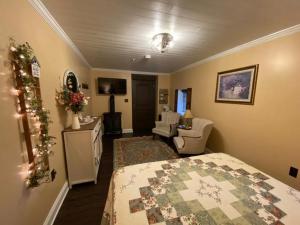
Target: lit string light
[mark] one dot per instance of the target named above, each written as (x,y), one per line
(38,171)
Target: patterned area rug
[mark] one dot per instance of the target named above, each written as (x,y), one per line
(136,150)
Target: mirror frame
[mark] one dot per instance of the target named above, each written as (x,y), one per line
(65,78)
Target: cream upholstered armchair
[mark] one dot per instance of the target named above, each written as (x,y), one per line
(167,126)
(193,141)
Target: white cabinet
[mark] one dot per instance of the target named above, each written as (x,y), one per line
(83,149)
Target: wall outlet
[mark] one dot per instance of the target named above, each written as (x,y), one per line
(293,172)
(126,100)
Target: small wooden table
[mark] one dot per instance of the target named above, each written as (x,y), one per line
(183,127)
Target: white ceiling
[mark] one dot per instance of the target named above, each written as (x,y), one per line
(109,33)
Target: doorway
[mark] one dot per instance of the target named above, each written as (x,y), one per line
(143,103)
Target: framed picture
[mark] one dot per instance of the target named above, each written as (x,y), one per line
(85,86)
(163,96)
(237,86)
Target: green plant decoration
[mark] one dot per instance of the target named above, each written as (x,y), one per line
(34,116)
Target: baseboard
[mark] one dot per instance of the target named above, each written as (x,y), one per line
(56,205)
(126,131)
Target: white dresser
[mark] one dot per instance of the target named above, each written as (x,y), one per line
(83,149)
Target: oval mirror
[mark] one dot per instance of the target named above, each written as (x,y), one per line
(71,81)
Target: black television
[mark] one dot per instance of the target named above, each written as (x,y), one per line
(112,86)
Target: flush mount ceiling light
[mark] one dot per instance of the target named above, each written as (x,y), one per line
(162,42)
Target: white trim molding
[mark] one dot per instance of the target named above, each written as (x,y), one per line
(56,205)
(129,71)
(43,11)
(127,131)
(267,38)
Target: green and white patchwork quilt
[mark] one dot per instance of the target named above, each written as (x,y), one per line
(208,189)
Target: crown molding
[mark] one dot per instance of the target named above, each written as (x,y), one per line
(130,71)
(43,11)
(267,38)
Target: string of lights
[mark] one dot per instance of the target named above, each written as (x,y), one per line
(30,109)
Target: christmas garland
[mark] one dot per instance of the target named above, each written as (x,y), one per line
(28,91)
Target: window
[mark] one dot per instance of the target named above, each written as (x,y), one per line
(183,99)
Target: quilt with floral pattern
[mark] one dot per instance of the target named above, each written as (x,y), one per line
(209,189)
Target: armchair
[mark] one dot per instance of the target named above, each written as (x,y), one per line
(193,141)
(167,126)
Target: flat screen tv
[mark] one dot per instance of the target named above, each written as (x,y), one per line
(111,86)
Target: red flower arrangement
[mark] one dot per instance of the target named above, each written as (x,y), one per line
(74,101)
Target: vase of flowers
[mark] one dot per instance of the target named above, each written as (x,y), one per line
(72,101)
(75,122)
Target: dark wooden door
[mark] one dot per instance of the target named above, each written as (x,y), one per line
(143,102)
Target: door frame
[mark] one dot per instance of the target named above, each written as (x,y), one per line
(143,78)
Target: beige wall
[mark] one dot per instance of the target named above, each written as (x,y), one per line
(164,82)
(265,135)
(100,103)
(18,205)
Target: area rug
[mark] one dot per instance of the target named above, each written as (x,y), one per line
(136,150)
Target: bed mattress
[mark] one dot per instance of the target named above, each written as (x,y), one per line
(209,189)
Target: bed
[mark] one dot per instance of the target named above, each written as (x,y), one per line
(209,189)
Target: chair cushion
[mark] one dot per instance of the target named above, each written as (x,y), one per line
(159,124)
(170,117)
(179,142)
(189,133)
(163,131)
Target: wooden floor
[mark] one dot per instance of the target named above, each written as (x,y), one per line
(84,203)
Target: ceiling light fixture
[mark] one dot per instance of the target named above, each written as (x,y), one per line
(162,42)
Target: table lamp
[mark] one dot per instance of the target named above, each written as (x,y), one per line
(188,116)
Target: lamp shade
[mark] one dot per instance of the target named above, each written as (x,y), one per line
(188,114)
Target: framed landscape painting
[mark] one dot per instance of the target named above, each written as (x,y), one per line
(237,86)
